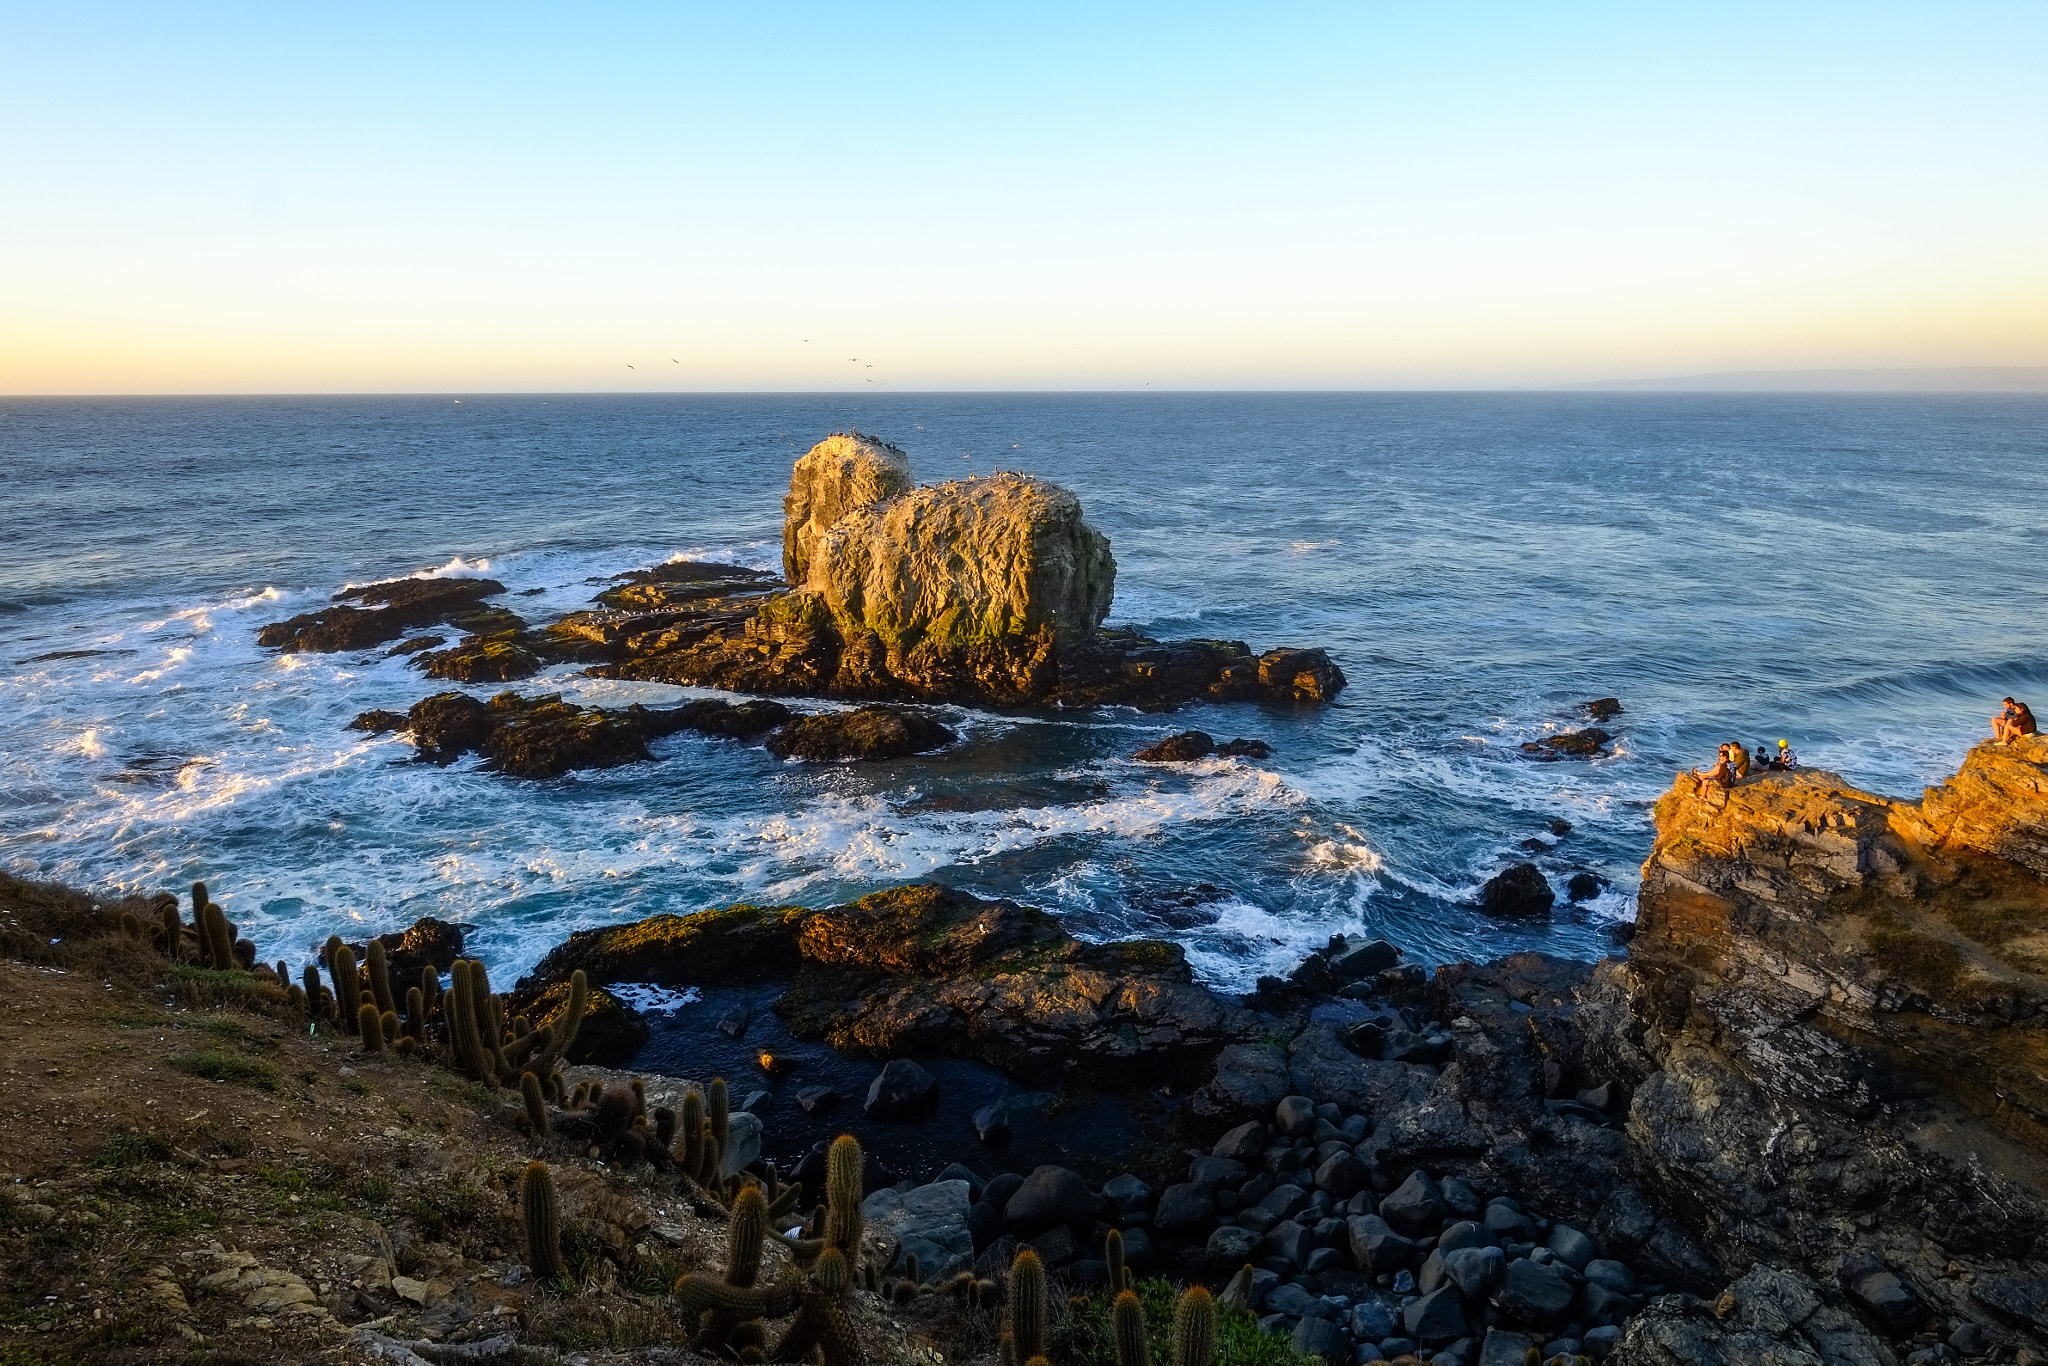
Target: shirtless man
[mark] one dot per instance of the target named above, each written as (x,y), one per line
(2014,721)
(1721,775)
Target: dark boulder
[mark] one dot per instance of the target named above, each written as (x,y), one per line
(1416,1205)
(1299,675)
(1877,1289)
(1589,743)
(379,722)
(724,719)
(1242,748)
(1601,708)
(992,1123)
(611,1031)
(387,611)
(426,943)
(545,737)
(1435,1318)
(1184,1208)
(447,725)
(1321,1339)
(900,1088)
(1229,1248)
(1519,891)
(1584,887)
(1533,1294)
(869,733)
(1049,1196)
(1178,749)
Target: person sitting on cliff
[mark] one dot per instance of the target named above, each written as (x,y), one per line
(1721,775)
(1786,758)
(1739,757)
(2013,722)
(1763,759)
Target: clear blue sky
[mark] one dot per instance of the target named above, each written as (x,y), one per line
(252,198)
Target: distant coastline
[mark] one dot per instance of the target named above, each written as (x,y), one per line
(1966,379)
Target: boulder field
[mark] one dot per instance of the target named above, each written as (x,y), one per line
(986,591)
(1802,1122)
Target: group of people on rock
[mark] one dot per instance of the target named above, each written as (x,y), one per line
(1733,763)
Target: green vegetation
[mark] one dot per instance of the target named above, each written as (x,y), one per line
(215,1065)
(1084,1336)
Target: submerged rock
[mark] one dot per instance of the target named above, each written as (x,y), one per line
(1177,749)
(545,737)
(1590,743)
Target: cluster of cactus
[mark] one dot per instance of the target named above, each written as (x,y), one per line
(211,940)
(731,1308)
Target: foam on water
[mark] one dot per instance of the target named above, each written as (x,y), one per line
(1477,565)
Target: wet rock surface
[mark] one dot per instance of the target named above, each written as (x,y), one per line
(868,733)
(926,969)
(379,612)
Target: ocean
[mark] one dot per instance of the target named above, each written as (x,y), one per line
(1858,574)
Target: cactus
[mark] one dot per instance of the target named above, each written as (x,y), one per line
(309,982)
(543,1223)
(563,1031)
(219,937)
(380,979)
(1194,1329)
(1127,1325)
(131,927)
(843,1219)
(832,1273)
(1027,1304)
(912,1272)
(1006,1349)
(341,967)
(692,1155)
(297,995)
(717,1108)
(536,1103)
(743,1236)
(283,971)
(697,1292)
(430,986)
(415,1013)
(1113,1253)
(173,928)
(388,1021)
(639,1096)
(904,1292)
(370,1025)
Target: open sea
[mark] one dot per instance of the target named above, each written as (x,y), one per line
(1862,575)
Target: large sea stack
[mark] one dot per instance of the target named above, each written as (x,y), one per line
(982,590)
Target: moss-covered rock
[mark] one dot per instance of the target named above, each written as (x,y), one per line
(868,733)
(377,612)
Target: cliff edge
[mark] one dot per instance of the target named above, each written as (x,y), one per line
(1834,1020)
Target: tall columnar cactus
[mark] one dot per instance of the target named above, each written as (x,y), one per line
(380,978)
(415,1015)
(844,1222)
(370,1025)
(1127,1324)
(173,928)
(316,995)
(348,992)
(692,1125)
(219,937)
(718,1108)
(562,1033)
(1006,1349)
(1194,1329)
(1113,1254)
(1028,1325)
(543,1221)
(743,1236)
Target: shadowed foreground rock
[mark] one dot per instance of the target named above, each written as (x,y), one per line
(925,969)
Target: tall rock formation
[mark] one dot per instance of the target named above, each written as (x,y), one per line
(846,472)
(976,590)
(1834,1020)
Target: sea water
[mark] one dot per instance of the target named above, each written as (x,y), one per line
(1859,575)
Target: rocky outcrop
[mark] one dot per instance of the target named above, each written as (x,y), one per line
(926,969)
(545,737)
(979,590)
(844,473)
(1834,1025)
(377,612)
(869,733)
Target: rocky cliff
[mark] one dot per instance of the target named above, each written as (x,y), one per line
(1834,1021)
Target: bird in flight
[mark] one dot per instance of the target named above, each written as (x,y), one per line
(674,361)
(630,367)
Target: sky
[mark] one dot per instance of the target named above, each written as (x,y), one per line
(447,198)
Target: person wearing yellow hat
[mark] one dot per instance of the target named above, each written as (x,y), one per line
(1786,758)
